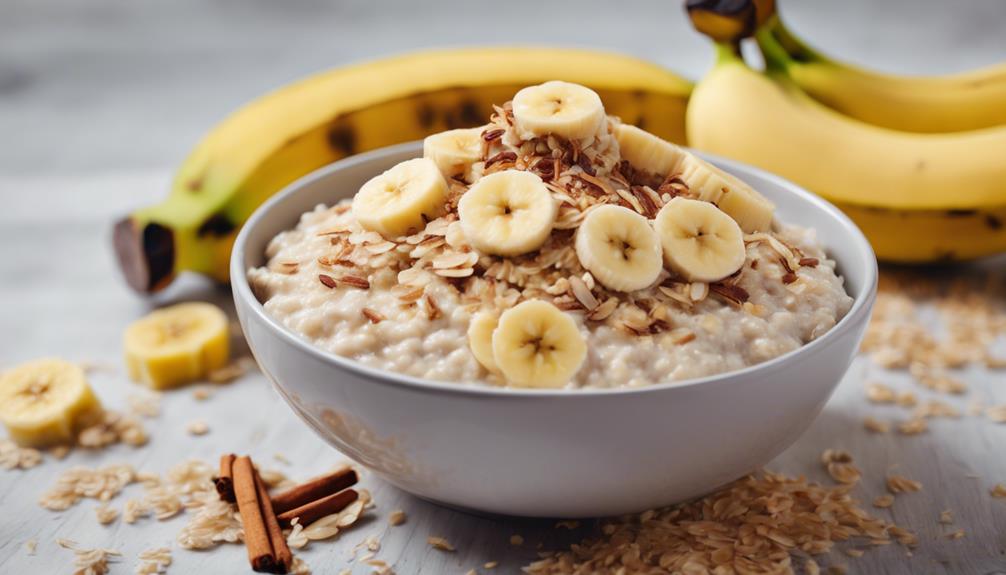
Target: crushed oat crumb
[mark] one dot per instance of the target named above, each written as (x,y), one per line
(840,466)
(880,393)
(154,561)
(197,427)
(883,501)
(958,534)
(13,456)
(875,425)
(490,564)
(999,491)
(31,545)
(913,426)
(106,514)
(397,517)
(440,543)
(145,405)
(516,540)
(201,394)
(946,517)
(901,484)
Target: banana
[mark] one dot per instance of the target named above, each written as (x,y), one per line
(480,338)
(740,201)
(700,242)
(557,108)
(454,151)
(507,213)
(46,402)
(856,165)
(928,104)
(402,199)
(537,345)
(648,152)
(177,344)
(619,248)
(294,130)
(752,211)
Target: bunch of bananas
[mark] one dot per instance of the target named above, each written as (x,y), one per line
(915,162)
(284,135)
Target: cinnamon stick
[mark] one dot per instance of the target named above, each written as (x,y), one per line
(311,512)
(257,541)
(314,489)
(284,558)
(225,479)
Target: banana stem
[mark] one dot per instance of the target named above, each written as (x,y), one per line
(727,53)
(794,48)
(777,59)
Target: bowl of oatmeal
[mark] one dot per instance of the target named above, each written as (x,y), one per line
(553,314)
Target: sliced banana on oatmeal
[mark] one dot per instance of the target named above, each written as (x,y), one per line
(619,248)
(46,402)
(537,345)
(700,242)
(177,344)
(557,108)
(507,213)
(647,152)
(751,210)
(402,199)
(480,338)
(454,151)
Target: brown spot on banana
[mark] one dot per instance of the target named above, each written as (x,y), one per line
(342,138)
(993,222)
(217,225)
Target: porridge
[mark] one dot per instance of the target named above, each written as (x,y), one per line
(553,247)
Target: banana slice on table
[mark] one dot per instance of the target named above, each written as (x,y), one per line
(647,152)
(619,248)
(177,344)
(701,243)
(402,199)
(559,108)
(507,213)
(740,201)
(480,338)
(46,402)
(537,345)
(454,151)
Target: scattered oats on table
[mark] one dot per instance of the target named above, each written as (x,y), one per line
(491,564)
(913,426)
(996,413)
(12,456)
(883,501)
(999,491)
(946,517)
(154,561)
(106,514)
(516,540)
(89,561)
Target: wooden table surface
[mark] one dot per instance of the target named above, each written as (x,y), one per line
(99,100)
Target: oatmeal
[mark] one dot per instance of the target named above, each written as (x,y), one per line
(553,247)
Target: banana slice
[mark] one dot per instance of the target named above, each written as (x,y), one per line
(480,338)
(401,200)
(648,152)
(46,402)
(536,345)
(619,248)
(740,201)
(177,344)
(454,151)
(700,242)
(557,108)
(507,213)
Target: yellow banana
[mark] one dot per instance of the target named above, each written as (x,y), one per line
(892,183)
(930,104)
(281,136)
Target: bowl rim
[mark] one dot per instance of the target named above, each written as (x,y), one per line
(241,290)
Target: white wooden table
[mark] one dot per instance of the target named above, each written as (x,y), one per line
(99,100)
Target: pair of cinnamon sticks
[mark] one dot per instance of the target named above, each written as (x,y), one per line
(264,517)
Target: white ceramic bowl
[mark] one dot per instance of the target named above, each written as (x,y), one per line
(553,453)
